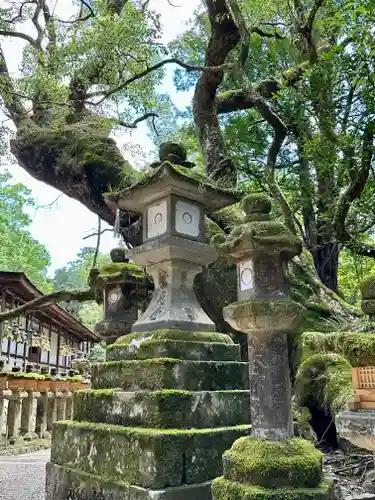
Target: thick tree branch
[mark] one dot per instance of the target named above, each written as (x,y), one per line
(11,101)
(224,38)
(280,132)
(23,36)
(140,119)
(355,185)
(150,69)
(240,99)
(47,300)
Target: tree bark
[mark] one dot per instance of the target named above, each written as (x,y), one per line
(224,38)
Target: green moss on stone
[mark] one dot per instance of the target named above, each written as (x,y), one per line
(151,458)
(116,271)
(164,373)
(173,334)
(367,287)
(165,409)
(358,348)
(223,489)
(324,381)
(178,349)
(291,463)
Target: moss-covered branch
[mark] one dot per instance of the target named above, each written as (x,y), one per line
(47,300)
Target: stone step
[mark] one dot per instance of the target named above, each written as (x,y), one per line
(163,409)
(149,458)
(168,373)
(178,349)
(64,482)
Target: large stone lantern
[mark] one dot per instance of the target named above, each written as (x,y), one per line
(173,202)
(270,463)
(173,394)
(121,286)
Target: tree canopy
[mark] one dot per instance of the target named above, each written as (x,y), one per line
(282,103)
(19,251)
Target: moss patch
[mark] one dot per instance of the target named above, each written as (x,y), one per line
(222,489)
(172,334)
(164,409)
(324,381)
(291,463)
(358,348)
(178,349)
(150,458)
(115,271)
(165,373)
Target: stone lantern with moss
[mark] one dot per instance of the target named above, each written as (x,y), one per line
(173,395)
(173,202)
(120,286)
(271,463)
(368,297)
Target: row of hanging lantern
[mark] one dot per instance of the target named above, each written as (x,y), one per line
(20,335)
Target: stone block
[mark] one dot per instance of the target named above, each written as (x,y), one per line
(358,427)
(177,349)
(143,457)
(163,409)
(65,483)
(167,373)
(224,489)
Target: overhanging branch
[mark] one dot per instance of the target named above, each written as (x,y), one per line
(47,300)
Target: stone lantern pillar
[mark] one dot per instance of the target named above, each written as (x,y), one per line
(120,286)
(173,394)
(271,459)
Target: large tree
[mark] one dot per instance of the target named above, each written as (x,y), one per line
(322,174)
(85,76)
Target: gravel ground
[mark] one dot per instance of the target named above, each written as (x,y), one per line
(22,476)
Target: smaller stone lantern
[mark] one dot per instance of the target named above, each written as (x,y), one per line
(173,201)
(120,286)
(271,463)
(368,297)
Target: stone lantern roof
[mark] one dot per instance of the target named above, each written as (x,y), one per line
(172,175)
(258,233)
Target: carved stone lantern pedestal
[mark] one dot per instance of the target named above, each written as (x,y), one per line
(173,394)
(270,463)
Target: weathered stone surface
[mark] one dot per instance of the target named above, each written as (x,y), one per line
(270,388)
(223,489)
(149,458)
(165,373)
(263,315)
(292,463)
(177,349)
(163,409)
(368,307)
(68,484)
(358,427)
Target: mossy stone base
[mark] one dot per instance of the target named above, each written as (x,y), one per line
(178,349)
(165,409)
(224,489)
(293,463)
(149,458)
(64,483)
(167,373)
(258,469)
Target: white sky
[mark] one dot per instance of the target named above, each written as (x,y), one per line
(62,227)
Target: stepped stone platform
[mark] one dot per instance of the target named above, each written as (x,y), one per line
(159,416)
